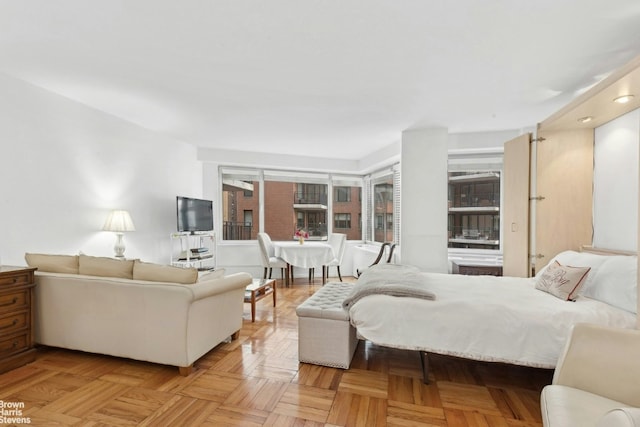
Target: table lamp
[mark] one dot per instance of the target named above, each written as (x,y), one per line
(119,221)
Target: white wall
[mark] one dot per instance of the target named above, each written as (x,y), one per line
(65,166)
(479,140)
(615,188)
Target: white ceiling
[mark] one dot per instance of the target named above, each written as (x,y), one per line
(328,78)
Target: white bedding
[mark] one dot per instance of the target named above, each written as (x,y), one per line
(498,319)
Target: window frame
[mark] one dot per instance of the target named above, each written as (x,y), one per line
(481,161)
(262,175)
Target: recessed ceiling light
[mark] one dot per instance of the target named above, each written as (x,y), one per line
(586,119)
(623,99)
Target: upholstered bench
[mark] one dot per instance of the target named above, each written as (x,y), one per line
(325,336)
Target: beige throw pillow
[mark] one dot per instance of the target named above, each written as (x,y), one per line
(218,273)
(105,267)
(164,273)
(53,263)
(562,281)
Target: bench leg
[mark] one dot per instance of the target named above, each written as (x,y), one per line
(185,370)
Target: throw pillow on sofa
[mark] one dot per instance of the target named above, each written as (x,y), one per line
(105,267)
(67,264)
(164,273)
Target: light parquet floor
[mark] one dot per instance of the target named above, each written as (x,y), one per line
(257,381)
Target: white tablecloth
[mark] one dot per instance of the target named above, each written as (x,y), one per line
(307,255)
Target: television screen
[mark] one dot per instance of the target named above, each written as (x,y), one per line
(194,214)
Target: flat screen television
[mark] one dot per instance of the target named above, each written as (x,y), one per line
(194,214)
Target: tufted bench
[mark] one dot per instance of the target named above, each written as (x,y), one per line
(325,336)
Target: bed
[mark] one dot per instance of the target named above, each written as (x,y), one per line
(496,319)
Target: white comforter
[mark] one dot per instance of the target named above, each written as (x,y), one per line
(499,319)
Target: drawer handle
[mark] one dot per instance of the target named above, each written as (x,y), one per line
(15,344)
(14,323)
(13,301)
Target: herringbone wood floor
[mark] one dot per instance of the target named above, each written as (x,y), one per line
(257,381)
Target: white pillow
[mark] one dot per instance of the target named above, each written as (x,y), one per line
(615,282)
(578,259)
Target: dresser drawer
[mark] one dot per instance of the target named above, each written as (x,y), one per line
(14,344)
(13,301)
(20,278)
(14,323)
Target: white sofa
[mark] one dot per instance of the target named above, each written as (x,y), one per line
(161,322)
(596,381)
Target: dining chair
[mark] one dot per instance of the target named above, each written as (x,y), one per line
(338,242)
(268,254)
(385,247)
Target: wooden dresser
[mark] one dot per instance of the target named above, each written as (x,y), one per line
(16,317)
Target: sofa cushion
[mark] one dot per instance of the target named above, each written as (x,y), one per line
(163,273)
(106,267)
(53,263)
(218,273)
(621,417)
(564,406)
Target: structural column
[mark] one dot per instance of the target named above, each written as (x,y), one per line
(423,213)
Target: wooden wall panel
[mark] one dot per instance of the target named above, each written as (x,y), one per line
(564,177)
(515,208)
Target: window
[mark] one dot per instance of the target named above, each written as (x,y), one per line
(342,194)
(474,201)
(347,201)
(342,220)
(248,218)
(287,201)
(295,201)
(239,201)
(382,198)
(383,209)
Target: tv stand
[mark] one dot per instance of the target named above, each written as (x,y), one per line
(193,249)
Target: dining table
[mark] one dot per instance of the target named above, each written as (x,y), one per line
(310,254)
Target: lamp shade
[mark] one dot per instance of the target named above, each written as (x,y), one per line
(119,221)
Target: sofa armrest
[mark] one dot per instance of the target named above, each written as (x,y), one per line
(220,285)
(602,360)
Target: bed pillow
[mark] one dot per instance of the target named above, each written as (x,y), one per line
(578,259)
(615,283)
(562,281)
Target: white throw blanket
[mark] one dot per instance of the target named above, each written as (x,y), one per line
(390,279)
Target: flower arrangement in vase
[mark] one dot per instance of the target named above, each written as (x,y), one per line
(301,235)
